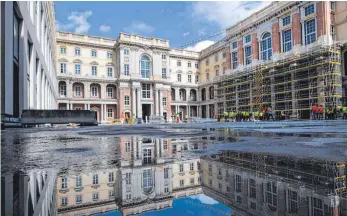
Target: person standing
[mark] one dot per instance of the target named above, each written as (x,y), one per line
(122,117)
(283,115)
(313,111)
(269,110)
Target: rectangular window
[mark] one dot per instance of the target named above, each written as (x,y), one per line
(78,91)
(110,72)
(189,78)
(228,189)
(191,181)
(309,10)
(94,70)
(219,185)
(179,77)
(163,73)
(248,53)
(62,68)
(252,189)
(166,173)
(94,91)
(293,202)
(217,72)
(207,76)
(287,40)
(128,196)
(210,168)
(181,167)
(78,181)
(109,55)
(127,146)
(126,70)
(216,58)
(164,101)
(62,90)
(126,52)
(181,182)
(253,205)
(310,31)
(77,69)
(95,196)
(109,113)
(165,144)
(234,59)
(95,179)
(111,193)
(196,79)
(128,178)
(126,100)
(248,38)
(286,21)
(332,31)
(78,198)
(189,64)
(238,199)
(166,190)
(210,182)
(199,166)
(64,183)
(77,52)
(196,65)
(64,201)
(93,53)
(238,183)
(163,57)
(234,45)
(178,63)
(111,177)
(219,171)
(192,167)
(332,6)
(63,50)
(199,180)
(146,90)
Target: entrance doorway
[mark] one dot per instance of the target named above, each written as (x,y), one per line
(165,115)
(146,111)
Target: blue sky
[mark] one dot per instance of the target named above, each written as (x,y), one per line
(179,22)
(198,205)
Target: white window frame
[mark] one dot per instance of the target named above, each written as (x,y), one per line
(62,50)
(78,89)
(163,73)
(196,65)
(181,183)
(181,168)
(163,57)
(126,69)
(110,71)
(62,90)
(95,195)
(94,90)
(216,57)
(191,166)
(286,45)
(189,64)
(126,52)
(286,20)
(94,52)
(248,58)
(78,181)
(146,91)
(111,177)
(179,77)
(179,63)
(109,55)
(126,100)
(62,67)
(164,101)
(307,36)
(64,182)
(234,59)
(127,146)
(207,76)
(64,201)
(109,91)
(109,112)
(77,51)
(189,78)
(128,178)
(196,79)
(307,11)
(78,69)
(95,179)
(147,156)
(248,39)
(234,45)
(79,198)
(94,70)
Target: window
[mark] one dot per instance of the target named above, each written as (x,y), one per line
(126,52)
(210,168)
(234,59)
(253,205)
(164,101)
(207,61)
(127,147)
(163,73)
(179,77)
(287,40)
(181,167)
(94,70)
(332,6)
(147,156)
(252,189)
(216,58)
(93,53)
(309,10)
(196,79)
(78,91)
(199,180)
(179,63)
(111,177)
(77,69)
(199,166)
(189,78)
(126,70)
(62,68)
(266,47)
(248,38)
(109,112)
(63,50)
(64,201)
(234,45)
(165,144)
(128,196)
(163,57)
(217,72)
(128,178)
(191,181)
(181,182)
(109,55)
(94,91)
(145,67)
(166,173)
(147,180)
(271,196)
(62,90)
(146,90)
(95,179)
(228,189)
(310,31)
(189,64)
(196,65)
(95,196)
(238,199)
(64,183)
(126,100)
(111,193)
(77,52)
(332,31)
(210,182)
(219,171)
(293,201)
(207,76)
(78,181)
(192,167)
(286,21)
(166,190)
(78,198)
(238,183)
(219,185)
(248,52)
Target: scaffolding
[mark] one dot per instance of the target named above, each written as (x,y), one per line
(291,84)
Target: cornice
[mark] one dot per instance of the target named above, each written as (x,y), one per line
(83,44)
(144,46)
(183,57)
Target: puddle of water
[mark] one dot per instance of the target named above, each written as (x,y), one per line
(179,169)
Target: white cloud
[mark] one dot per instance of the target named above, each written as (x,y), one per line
(139,27)
(185,34)
(200,46)
(77,21)
(225,13)
(105,28)
(202,32)
(204,199)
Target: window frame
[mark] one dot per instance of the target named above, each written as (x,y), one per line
(108,88)
(179,77)
(109,55)
(145,66)
(189,78)
(310,37)
(77,52)
(248,58)
(94,52)
(146,91)
(286,44)
(179,63)
(62,90)
(286,20)
(266,47)
(310,9)
(126,69)
(110,71)
(63,68)
(163,73)
(164,101)
(94,70)
(78,70)
(234,59)
(126,52)
(126,100)
(94,93)
(79,87)
(95,179)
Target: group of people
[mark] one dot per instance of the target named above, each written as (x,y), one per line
(328,113)
(265,115)
(125,118)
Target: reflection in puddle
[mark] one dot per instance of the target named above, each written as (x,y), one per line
(181,176)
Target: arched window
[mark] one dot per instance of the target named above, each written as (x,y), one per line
(147,180)
(145,67)
(266,47)
(271,196)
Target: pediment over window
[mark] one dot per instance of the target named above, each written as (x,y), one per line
(94,63)
(109,64)
(189,72)
(179,71)
(77,61)
(63,60)
(216,66)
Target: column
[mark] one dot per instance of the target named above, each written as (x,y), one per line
(138,105)
(71,106)
(188,107)
(207,111)
(88,106)
(187,94)
(161,103)
(240,52)
(156,102)
(101,112)
(177,94)
(105,112)
(275,38)
(85,106)
(133,102)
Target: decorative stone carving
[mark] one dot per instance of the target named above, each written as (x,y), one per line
(164,63)
(126,59)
